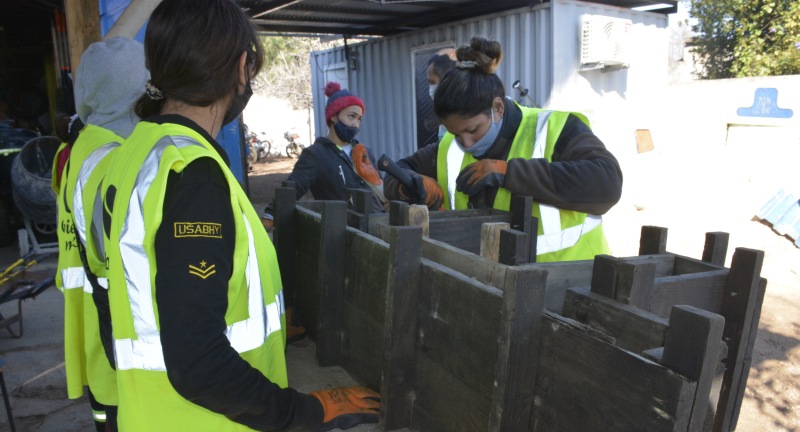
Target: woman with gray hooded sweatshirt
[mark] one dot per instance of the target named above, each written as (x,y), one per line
(110,78)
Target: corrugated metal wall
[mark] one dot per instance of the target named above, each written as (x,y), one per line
(540,46)
(384,76)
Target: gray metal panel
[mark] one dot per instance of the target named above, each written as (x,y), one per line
(384,81)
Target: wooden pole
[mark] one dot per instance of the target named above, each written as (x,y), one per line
(83,27)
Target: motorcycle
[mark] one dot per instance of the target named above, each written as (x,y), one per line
(293,148)
(258,148)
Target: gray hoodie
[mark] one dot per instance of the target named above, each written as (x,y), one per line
(110,78)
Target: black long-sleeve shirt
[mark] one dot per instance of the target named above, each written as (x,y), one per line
(202,366)
(582,176)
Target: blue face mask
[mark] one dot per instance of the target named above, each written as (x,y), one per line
(482,145)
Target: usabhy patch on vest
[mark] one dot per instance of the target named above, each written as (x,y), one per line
(198,229)
(204,271)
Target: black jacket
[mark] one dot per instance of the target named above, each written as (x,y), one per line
(583,175)
(328,172)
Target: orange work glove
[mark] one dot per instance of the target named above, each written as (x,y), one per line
(363,165)
(481,175)
(347,407)
(427,191)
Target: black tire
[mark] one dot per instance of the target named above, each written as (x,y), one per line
(293,150)
(6,239)
(253,156)
(266,147)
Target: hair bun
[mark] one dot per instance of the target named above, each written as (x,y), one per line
(331,88)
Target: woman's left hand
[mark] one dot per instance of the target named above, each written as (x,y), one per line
(481,175)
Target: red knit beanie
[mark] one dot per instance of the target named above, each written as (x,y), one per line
(339,99)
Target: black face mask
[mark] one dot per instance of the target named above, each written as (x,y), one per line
(239,102)
(345,133)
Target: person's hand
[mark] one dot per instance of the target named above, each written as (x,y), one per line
(347,407)
(481,175)
(363,165)
(427,191)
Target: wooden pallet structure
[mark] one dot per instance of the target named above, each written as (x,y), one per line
(455,341)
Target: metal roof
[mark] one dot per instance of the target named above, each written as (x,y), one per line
(387,17)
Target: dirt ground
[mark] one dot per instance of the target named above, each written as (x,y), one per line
(772,398)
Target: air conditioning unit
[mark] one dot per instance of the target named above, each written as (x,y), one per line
(604,41)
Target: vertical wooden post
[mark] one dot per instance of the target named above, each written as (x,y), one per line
(691,348)
(283,236)
(362,203)
(522,220)
(518,349)
(398,213)
(635,283)
(716,248)
(332,258)
(490,239)
(653,240)
(400,330)
(83,27)
(418,216)
(513,247)
(604,275)
(748,359)
(740,306)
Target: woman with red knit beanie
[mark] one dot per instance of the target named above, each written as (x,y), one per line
(327,168)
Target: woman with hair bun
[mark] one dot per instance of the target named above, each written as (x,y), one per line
(495,148)
(196,300)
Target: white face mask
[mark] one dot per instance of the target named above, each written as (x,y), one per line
(432,89)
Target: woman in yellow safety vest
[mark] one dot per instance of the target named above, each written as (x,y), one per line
(495,148)
(194,289)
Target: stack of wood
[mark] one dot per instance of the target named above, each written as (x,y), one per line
(455,341)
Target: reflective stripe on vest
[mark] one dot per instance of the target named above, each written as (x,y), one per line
(146,352)
(72,277)
(553,237)
(79,213)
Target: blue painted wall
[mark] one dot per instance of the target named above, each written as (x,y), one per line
(229,136)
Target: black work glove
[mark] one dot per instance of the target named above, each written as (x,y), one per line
(426,191)
(481,175)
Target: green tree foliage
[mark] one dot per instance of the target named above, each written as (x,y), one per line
(743,38)
(287,69)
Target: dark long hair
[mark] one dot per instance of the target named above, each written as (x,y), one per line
(192,49)
(470,88)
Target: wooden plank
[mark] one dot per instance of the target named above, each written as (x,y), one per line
(562,276)
(458,322)
(471,265)
(691,348)
(463,233)
(748,354)
(518,346)
(400,334)
(586,384)
(307,280)
(701,290)
(446,404)
(716,248)
(739,307)
(635,284)
(513,247)
(358,216)
(332,260)
(653,240)
(522,220)
(283,237)
(686,265)
(490,239)
(632,328)
(418,216)
(362,346)
(83,28)
(398,213)
(604,275)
